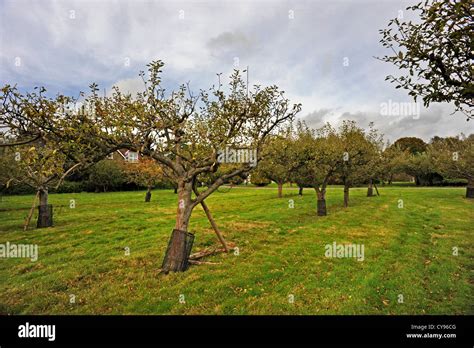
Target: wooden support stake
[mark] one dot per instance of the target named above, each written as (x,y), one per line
(213,223)
(30,214)
(376,190)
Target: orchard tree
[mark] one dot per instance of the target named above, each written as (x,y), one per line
(436,52)
(411,144)
(373,171)
(422,167)
(301,134)
(454,158)
(257,178)
(37,126)
(41,167)
(145,172)
(188,133)
(181,130)
(319,157)
(393,162)
(415,162)
(35,118)
(277,156)
(361,150)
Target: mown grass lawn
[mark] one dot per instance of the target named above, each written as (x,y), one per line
(408,251)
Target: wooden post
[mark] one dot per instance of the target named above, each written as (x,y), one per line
(30,214)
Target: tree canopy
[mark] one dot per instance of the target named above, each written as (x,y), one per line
(436,51)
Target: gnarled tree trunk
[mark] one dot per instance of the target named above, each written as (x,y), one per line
(470,188)
(45,210)
(148,195)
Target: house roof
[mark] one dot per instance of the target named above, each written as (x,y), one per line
(124,152)
(121,152)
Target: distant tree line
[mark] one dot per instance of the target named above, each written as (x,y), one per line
(104,176)
(351,156)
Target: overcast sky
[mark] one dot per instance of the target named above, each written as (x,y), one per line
(320,52)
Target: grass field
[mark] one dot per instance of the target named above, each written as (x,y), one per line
(408,251)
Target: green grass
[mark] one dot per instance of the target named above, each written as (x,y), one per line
(281,252)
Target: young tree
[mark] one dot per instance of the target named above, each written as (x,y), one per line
(145,173)
(436,52)
(454,158)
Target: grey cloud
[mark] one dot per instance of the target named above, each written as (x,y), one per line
(303,55)
(317,118)
(436,120)
(231,42)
